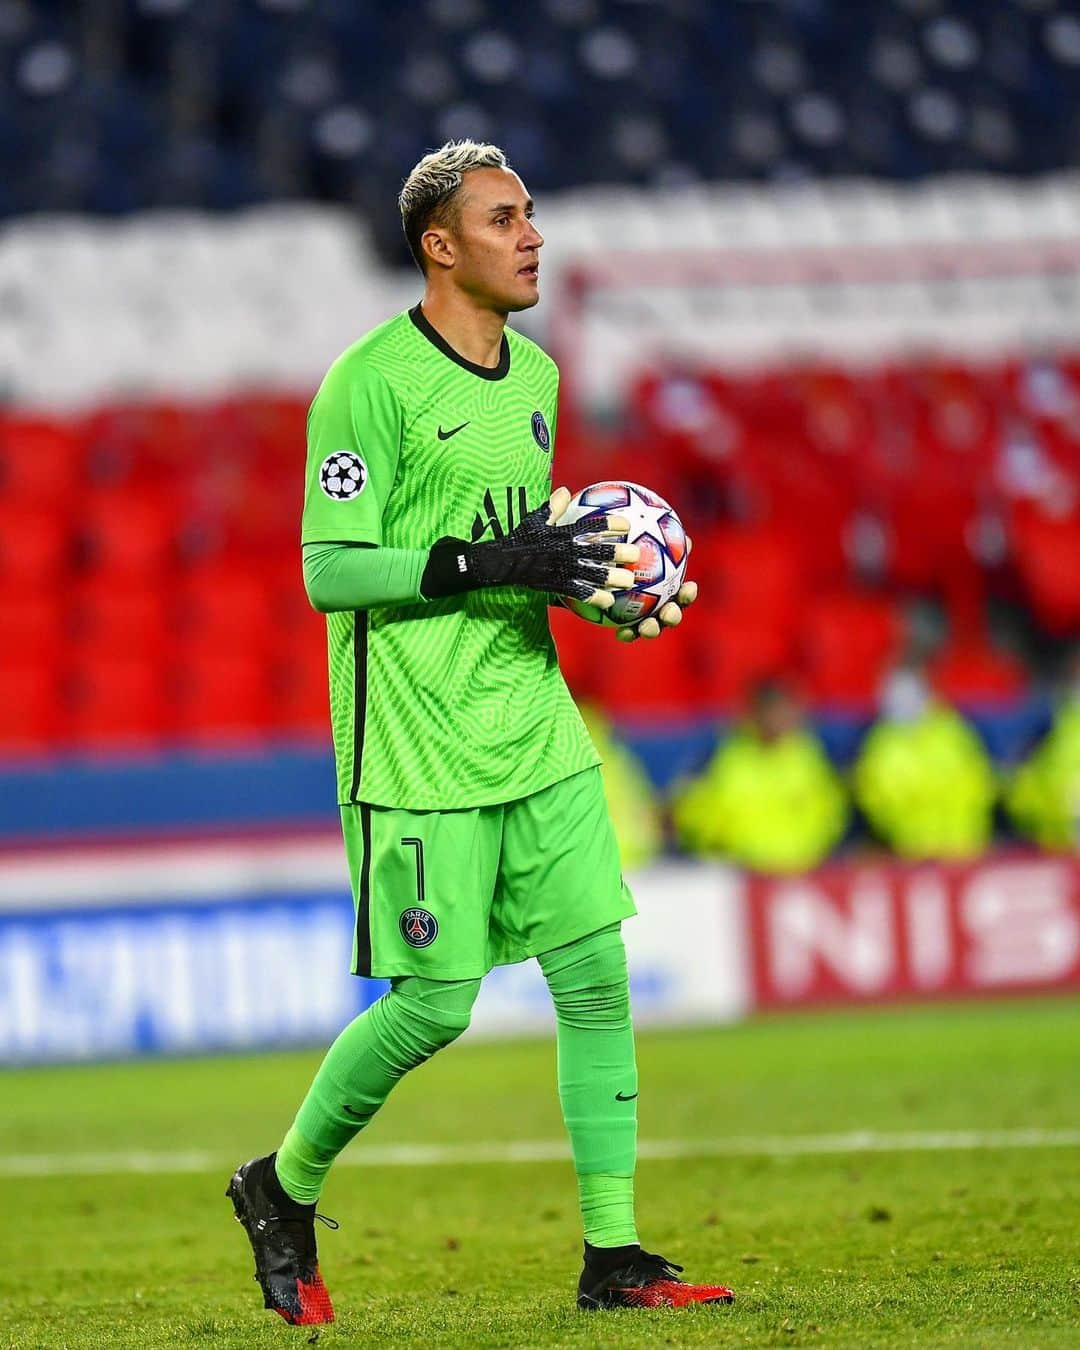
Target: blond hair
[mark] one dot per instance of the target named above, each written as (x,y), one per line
(429,196)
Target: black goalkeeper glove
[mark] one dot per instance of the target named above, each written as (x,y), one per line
(576,560)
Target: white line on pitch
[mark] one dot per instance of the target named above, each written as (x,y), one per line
(552,1150)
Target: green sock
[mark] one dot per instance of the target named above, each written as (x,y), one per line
(607,1208)
(398,1032)
(598,1081)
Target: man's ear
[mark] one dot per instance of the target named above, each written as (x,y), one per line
(438,247)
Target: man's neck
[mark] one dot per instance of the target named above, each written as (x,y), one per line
(476,334)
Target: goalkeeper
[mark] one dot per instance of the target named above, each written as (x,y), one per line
(475,825)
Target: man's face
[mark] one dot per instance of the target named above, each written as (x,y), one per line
(494,246)
(777,715)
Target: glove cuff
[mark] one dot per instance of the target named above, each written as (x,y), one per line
(449,570)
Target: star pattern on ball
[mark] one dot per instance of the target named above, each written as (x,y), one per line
(659,534)
(343,475)
(644,519)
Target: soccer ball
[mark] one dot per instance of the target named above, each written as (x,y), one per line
(658,533)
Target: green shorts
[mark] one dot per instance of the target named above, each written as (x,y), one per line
(449,894)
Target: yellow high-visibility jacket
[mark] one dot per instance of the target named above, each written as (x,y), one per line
(1044,796)
(772,806)
(630,795)
(927,787)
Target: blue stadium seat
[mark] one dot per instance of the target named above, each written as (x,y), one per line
(172,102)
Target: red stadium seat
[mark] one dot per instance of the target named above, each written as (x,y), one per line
(41,462)
(298,652)
(35,546)
(644,679)
(752,572)
(737,648)
(835,412)
(128,532)
(847,643)
(955,419)
(1047,552)
(143,446)
(225,605)
(118,701)
(580,652)
(276,424)
(31,707)
(262,510)
(32,625)
(647,679)
(110,614)
(173,541)
(301,693)
(223,694)
(972,671)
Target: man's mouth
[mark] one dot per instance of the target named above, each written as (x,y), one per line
(530,270)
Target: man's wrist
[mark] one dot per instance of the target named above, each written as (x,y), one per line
(449,570)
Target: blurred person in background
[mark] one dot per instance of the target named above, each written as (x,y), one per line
(923,779)
(630,796)
(1043,798)
(769,798)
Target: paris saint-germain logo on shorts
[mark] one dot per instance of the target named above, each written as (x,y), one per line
(541,435)
(418,927)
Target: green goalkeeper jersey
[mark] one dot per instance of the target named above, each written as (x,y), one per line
(458,702)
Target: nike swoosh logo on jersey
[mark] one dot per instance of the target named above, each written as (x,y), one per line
(359,1115)
(445,435)
(620,1098)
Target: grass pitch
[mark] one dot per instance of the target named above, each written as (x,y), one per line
(837,1246)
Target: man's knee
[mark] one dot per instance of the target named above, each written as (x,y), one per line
(435,1012)
(589,980)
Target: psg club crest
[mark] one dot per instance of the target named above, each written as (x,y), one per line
(343,475)
(541,435)
(418,927)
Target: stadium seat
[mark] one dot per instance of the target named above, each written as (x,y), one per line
(118,701)
(300,694)
(836,419)
(274,423)
(278,112)
(109,614)
(41,461)
(753,572)
(972,671)
(647,680)
(954,418)
(580,651)
(223,695)
(259,511)
(35,545)
(31,710)
(926,510)
(127,533)
(225,603)
(1047,552)
(736,648)
(177,540)
(32,625)
(847,641)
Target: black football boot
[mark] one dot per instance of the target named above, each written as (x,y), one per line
(282,1236)
(627,1277)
